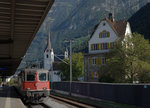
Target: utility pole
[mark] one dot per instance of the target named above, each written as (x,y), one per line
(70,65)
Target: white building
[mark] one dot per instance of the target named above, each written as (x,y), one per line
(66,54)
(49,60)
(102,40)
(48,56)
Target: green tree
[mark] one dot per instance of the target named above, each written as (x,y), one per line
(77,67)
(114,70)
(129,61)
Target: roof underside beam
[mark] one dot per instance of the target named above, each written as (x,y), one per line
(19,22)
(9,41)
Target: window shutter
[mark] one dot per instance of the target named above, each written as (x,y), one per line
(92,74)
(99,35)
(100,60)
(108,34)
(107,45)
(90,61)
(111,45)
(91,46)
(97,46)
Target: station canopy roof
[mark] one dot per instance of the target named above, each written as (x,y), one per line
(19,22)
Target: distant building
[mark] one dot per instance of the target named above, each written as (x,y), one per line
(49,62)
(48,56)
(55,76)
(66,54)
(102,40)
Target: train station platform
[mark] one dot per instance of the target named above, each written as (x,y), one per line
(9,98)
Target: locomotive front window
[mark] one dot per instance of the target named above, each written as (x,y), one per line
(30,76)
(42,77)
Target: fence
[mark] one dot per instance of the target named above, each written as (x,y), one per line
(134,94)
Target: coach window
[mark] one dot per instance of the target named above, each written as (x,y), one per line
(42,77)
(30,76)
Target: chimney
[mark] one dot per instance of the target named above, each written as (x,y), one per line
(111,17)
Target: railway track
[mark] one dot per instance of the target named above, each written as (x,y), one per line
(73,102)
(40,105)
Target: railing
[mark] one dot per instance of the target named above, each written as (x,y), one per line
(134,94)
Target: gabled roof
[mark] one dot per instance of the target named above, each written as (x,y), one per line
(119,27)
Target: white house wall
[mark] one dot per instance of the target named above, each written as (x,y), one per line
(47,63)
(54,77)
(96,40)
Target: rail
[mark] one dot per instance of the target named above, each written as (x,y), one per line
(73,102)
(40,105)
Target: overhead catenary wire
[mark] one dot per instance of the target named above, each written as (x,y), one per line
(61,59)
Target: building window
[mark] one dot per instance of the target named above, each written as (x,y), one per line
(113,44)
(97,61)
(104,24)
(104,46)
(94,75)
(47,56)
(103,60)
(104,34)
(94,46)
(94,61)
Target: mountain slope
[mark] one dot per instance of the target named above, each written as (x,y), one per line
(81,18)
(140,21)
(70,19)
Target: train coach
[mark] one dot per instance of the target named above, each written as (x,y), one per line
(33,85)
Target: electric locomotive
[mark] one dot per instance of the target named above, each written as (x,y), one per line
(34,85)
